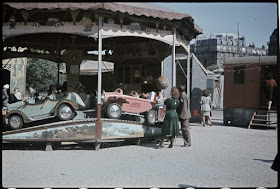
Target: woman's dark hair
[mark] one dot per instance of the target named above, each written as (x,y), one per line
(205,92)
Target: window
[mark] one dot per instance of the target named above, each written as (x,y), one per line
(239,75)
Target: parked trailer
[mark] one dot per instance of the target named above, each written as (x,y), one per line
(82,130)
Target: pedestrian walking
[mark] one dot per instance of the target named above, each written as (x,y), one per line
(270,83)
(184,116)
(170,127)
(205,108)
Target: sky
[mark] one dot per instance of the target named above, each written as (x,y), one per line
(256,20)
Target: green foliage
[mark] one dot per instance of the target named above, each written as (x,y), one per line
(41,73)
(212,67)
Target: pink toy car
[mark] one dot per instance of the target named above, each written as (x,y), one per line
(116,104)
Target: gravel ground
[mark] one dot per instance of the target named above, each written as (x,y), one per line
(220,156)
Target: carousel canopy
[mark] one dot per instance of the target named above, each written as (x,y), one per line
(136,9)
(135,32)
(90,67)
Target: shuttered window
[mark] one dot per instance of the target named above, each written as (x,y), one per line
(239,75)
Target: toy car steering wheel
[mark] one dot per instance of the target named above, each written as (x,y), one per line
(119,90)
(134,94)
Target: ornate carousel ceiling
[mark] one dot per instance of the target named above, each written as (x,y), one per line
(132,32)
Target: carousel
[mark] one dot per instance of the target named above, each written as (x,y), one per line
(135,37)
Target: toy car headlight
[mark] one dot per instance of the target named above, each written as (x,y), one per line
(102,96)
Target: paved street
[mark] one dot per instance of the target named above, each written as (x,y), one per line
(220,156)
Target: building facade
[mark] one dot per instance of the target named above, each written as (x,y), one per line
(215,49)
(244,87)
(273,43)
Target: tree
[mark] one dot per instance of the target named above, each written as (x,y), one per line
(41,73)
(212,67)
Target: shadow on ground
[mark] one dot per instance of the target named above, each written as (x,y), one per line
(41,146)
(186,186)
(264,160)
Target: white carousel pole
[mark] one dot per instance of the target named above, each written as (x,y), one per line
(99,60)
(189,71)
(173,59)
(98,127)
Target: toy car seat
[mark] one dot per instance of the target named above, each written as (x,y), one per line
(152,96)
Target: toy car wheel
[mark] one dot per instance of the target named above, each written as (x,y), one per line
(37,25)
(65,112)
(151,117)
(114,111)
(15,122)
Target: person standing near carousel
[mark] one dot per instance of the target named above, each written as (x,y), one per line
(170,127)
(270,84)
(205,103)
(184,116)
